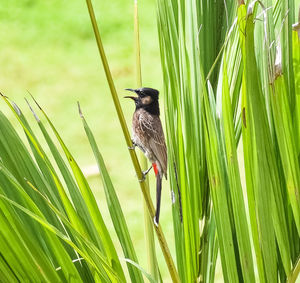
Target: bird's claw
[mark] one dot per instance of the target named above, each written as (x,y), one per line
(133,146)
(143,178)
(144,173)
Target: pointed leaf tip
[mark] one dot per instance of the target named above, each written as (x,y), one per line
(34,114)
(35,101)
(79,110)
(17,109)
(4,96)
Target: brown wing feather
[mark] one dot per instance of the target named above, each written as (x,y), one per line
(151,126)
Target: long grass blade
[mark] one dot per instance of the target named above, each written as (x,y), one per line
(114,207)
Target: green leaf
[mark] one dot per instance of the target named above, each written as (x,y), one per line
(236,192)
(114,207)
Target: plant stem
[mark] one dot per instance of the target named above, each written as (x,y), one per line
(137,167)
(295,272)
(137,45)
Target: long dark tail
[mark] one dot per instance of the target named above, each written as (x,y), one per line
(158,197)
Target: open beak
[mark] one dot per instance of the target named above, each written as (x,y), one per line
(132,97)
(130,89)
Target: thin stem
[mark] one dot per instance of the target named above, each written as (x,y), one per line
(137,167)
(295,272)
(137,45)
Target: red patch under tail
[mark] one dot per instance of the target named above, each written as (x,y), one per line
(155,168)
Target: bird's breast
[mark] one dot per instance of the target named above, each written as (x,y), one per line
(139,137)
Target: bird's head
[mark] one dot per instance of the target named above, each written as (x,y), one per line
(146,98)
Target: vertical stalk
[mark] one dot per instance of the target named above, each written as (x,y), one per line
(137,45)
(149,235)
(295,272)
(137,167)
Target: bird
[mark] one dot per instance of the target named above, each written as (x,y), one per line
(148,135)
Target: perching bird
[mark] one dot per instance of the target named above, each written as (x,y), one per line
(148,135)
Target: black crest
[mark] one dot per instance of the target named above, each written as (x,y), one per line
(145,91)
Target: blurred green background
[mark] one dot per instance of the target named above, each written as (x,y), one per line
(48,49)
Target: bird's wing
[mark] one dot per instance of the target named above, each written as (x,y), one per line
(151,126)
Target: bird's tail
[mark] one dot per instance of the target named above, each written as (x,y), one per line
(158,197)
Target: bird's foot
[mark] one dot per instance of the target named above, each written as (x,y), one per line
(147,171)
(144,174)
(143,178)
(133,146)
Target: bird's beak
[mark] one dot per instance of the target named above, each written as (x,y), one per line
(130,89)
(132,97)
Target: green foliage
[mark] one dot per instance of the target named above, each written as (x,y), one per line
(72,241)
(210,58)
(114,208)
